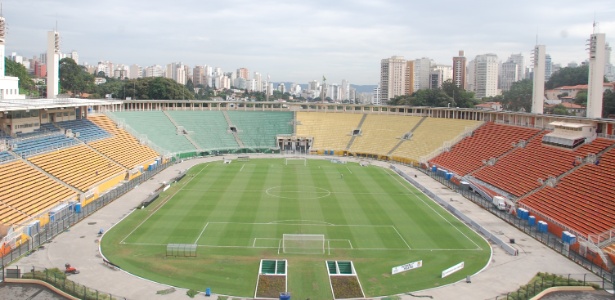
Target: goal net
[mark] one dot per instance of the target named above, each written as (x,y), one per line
(296,161)
(303,243)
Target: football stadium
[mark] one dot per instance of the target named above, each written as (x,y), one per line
(320,201)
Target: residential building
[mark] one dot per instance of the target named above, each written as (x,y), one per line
(459,70)
(509,73)
(198,76)
(486,75)
(392,78)
(548,67)
(135,71)
(409,77)
(439,74)
(422,72)
(243,73)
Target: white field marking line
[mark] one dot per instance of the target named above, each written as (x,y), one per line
(345,240)
(271,223)
(301,222)
(352,248)
(242,167)
(348,170)
(279,246)
(430,207)
(317,192)
(329,247)
(401,237)
(201,234)
(161,205)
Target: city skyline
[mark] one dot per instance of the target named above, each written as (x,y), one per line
(300,42)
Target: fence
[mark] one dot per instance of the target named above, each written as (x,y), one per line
(547,238)
(544,282)
(58,279)
(54,228)
(494,238)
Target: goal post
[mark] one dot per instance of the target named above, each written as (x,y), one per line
(303,243)
(295,161)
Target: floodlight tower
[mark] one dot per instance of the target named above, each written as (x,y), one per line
(596,74)
(538,91)
(53,63)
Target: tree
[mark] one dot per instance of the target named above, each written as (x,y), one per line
(569,76)
(608,103)
(74,78)
(145,88)
(26,84)
(581,98)
(460,97)
(560,110)
(519,96)
(190,85)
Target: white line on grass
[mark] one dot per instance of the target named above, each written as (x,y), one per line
(348,170)
(401,237)
(161,205)
(242,167)
(434,210)
(198,238)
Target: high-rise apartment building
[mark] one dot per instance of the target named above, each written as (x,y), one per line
(486,75)
(508,75)
(548,67)
(438,75)
(422,72)
(459,70)
(198,76)
(243,73)
(154,71)
(519,60)
(409,77)
(135,71)
(392,77)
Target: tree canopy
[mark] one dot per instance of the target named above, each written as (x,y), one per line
(569,76)
(74,78)
(519,96)
(448,95)
(157,88)
(26,84)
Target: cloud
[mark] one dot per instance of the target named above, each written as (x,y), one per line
(301,40)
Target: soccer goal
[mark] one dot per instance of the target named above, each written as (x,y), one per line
(296,161)
(303,243)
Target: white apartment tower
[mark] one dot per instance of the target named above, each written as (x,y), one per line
(53,64)
(392,77)
(422,72)
(486,75)
(597,59)
(538,91)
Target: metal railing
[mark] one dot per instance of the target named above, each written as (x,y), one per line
(56,227)
(535,287)
(58,279)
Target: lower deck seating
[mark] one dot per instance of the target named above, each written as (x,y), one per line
(431,135)
(25,192)
(582,200)
(85,129)
(260,128)
(121,147)
(38,144)
(331,131)
(78,166)
(518,172)
(488,141)
(381,133)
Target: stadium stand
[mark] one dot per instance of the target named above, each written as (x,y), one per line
(489,140)
(38,144)
(431,135)
(518,171)
(380,133)
(5,156)
(87,130)
(79,166)
(582,200)
(157,127)
(259,129)
(209,129)
(331,131)
(121,147)
(25,192)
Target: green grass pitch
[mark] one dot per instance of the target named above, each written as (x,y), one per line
(237,213)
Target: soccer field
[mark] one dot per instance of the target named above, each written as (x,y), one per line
(238,213)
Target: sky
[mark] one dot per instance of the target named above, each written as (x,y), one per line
(300,41)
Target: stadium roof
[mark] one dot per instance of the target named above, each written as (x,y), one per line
(27,104)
